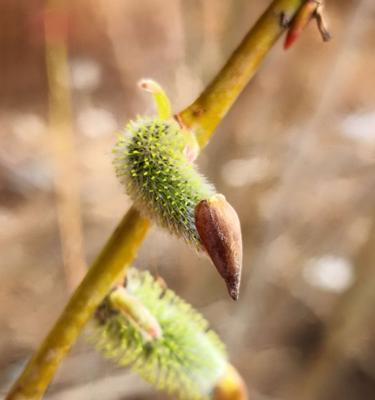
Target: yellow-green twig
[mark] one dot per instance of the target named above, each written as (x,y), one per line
(209,109)
(202,117)
(116,256)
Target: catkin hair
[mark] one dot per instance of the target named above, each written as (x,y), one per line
(187,359)
(151,162)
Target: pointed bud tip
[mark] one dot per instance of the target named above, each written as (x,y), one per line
(234,293)
(233,286)
(290,39)
(219,230)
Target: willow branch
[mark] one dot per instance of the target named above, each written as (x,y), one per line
(205,113)
(202,117)
(116,256)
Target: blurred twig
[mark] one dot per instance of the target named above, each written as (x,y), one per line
(192,15)
(61,133)
(202,117)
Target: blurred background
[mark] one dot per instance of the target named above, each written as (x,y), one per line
(295,157)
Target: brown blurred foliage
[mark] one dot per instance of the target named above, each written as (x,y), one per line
(295,156)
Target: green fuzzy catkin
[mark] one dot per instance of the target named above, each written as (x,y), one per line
(186,360)
(151,162)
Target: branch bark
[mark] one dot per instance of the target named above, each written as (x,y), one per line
(205,113)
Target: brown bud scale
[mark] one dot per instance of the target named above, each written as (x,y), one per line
(219,229)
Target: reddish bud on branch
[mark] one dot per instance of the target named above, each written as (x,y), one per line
(220,232)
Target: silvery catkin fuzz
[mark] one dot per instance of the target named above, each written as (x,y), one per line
(154,160)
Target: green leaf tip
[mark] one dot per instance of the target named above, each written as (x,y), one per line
(163,105)
(186,359)
(135,313)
